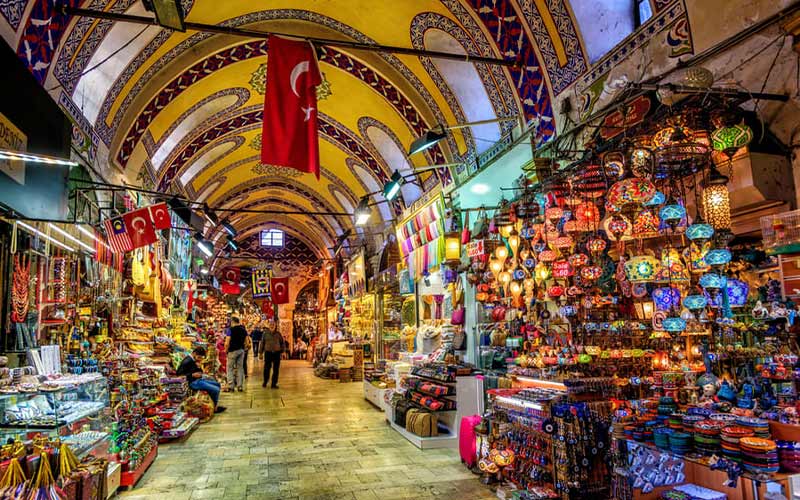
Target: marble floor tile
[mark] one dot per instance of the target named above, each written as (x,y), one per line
(310,439)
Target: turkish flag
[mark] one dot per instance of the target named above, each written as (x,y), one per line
(140,227)
(231,276)
(289,133)
(280,290)
(160,216)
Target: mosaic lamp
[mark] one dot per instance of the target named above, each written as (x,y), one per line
(672,213)
(646,223)
(587,213)
(713,281)
(644,310)
(591,273)
(695,302)
(666,298)
(547,256)
(578,259)
(596,245)
(718,257)
(737,291)
(641,268)
(716,200)
(554,214)
(541,272)
(513,242)
(674,324)
(699,232)
(730,139)
(658,198)
(501,253)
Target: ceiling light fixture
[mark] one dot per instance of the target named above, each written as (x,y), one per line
(91,235)
(204,245)
(209,214)
(228,227)
(392,188)
(181,209)
(70,237)
(54,241)
(362,212)
(439,132)
(169,13)
(232,244)
(6,154)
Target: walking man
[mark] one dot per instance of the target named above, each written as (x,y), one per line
(255,336)
(270,351)
(234,346)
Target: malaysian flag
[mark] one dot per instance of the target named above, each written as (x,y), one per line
(118,237)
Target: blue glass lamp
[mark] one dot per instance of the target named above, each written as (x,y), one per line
(674,324)
(672,213)
(666,298)
(718,257)
(713,281)
(695,302)
(700,232)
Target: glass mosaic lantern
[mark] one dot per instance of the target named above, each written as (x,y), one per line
(700,232)
(596,245)
(718,257)
(591,273)
(716,201)
(642,268)
(646,224)
(665,298)
(736,290)
(713,281)
(673,269)
(632,191)
(587,213)
(730,139)
(577,260)
(563,242)
(695,302)
(658,198)
(554,214)
(547,256)
(672,213)
(572,226)
(674,324)
(617,227)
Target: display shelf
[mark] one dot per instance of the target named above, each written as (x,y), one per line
(449,440)
(128,479)
(113,478)
(374,395)
(184,429)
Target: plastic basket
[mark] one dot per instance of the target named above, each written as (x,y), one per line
(781,232)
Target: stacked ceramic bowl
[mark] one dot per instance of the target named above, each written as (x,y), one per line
(789,455)
(661,437)
(667,405)
(689,422)
(759,426)
(680,443)
(731,434)
(707,436)
(759,455)
(726,418)
(675,421)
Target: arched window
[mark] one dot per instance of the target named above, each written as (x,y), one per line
(605,23)
(273,238)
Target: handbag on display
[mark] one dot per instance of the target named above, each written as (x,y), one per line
(422,423)
(465,234)
(481,226)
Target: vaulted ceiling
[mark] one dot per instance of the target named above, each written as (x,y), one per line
(181,112)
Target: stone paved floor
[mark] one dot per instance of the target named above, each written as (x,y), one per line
(310,439)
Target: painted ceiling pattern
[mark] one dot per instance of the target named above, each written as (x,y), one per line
(182,111)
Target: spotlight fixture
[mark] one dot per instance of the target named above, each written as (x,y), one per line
(362,212)
(169,13)
(228,227)
(6,154)
(232,244)
(210,216)
(204,245)
(392,188)
(439,132)
(181,209)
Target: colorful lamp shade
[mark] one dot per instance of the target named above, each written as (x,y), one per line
(618,227)
(642,268)
(665,298)
(695,302)
(588,213)
(641,161)
(563,242)
(591,273)
(674,324)
(730,139)
(541,272)
(713,281)
(554,213)
(632,191)
(658,198)
(736,290)
(700,232)
(673,269)
(646,224)
(672,213)
(577,260)
(555,291)
(718,257)
(695,256)
(572,226)
(596,245)
(716,202)
(671,135)
(547,256)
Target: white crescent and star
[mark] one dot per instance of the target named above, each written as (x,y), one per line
(157,212)
(299,69)
(140,230)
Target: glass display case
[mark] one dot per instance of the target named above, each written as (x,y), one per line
(72,408)
(391,304)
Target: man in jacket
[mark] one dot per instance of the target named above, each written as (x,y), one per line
(194,375)
(269,349)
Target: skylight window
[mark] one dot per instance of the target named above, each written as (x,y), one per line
(273,238)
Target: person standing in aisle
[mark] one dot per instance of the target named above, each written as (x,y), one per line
(234,346)
(270,351)
(256,336)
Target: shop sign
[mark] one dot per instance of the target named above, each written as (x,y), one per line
(12,138)
(475,249)
(633,113)
(562,269)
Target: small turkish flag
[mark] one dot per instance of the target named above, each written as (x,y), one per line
(231,276)
(140,227)
(280,290)
(159,213)
(289,133)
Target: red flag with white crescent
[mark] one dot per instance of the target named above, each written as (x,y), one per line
(280,290)
(140,227)
(159,213)
(290,127)
(230,277)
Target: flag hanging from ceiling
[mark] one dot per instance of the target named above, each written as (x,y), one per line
(117,234)
(280,290)
(160,216)
(260,279)
(140,227)
(289,133)
(229,280)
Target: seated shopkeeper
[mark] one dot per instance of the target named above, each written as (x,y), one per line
(197,381)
